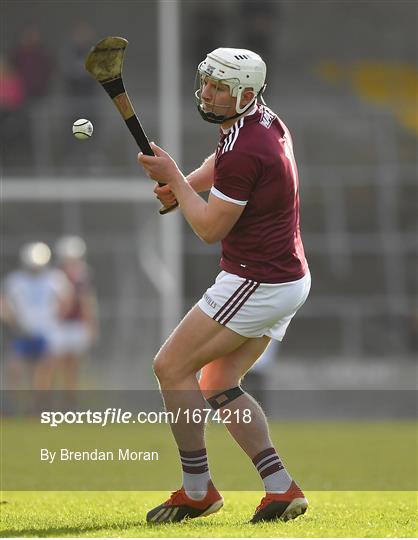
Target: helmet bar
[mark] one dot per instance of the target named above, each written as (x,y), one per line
(213,118)
(239,69)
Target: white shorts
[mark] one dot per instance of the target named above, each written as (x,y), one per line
(254,309)
(71,337)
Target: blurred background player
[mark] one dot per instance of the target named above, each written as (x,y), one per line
(78,324)
(33,298)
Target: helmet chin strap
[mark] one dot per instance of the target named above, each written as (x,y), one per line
(217,118)
(220,119)
(260,95)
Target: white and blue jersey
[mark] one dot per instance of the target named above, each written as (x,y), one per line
(35,300)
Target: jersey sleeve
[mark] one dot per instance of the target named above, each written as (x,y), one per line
(235,177)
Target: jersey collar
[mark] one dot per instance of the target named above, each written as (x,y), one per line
(252,111)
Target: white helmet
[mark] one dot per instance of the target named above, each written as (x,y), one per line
(239,69)
(70,247)
(34,256)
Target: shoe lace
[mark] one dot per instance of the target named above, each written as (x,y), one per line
(267,498)
(176,496)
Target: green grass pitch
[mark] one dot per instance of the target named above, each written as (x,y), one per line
(360,479)
(121,514)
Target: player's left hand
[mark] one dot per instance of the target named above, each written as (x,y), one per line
(161,167)
(165,195)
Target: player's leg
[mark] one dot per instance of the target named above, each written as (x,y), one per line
(218,381)
(66,376)
(195,342)
(73,343)
(15,372)
(200,340)
(226,373)
(70,365)
(43,373)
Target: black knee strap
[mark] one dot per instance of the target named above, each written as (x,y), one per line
(224,398)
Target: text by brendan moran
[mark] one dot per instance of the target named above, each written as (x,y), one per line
(121,454)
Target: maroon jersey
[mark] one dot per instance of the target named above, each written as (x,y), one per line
(255,167)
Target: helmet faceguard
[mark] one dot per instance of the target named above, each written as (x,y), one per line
(238,69)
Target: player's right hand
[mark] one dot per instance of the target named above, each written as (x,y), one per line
(165,195)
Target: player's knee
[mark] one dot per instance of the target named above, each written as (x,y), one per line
(165,369)
(159,366)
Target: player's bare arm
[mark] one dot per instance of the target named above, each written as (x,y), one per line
(211,220)
(201,179)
